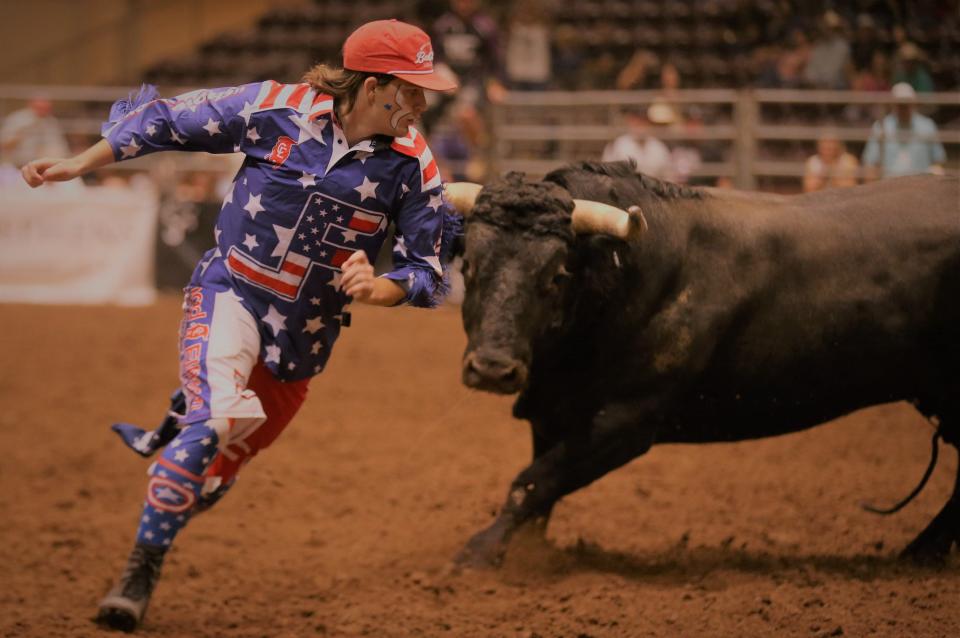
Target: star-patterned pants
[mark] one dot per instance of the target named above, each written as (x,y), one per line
(238,409)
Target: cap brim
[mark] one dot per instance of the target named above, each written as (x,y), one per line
(429,81)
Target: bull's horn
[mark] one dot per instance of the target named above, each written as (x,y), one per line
(596,217)
(462,195)
(637,213)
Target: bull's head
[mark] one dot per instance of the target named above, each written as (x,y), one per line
(518,241)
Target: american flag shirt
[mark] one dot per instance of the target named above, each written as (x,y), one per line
(302,202)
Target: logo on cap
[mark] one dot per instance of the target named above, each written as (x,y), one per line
(425,54)
(395,48)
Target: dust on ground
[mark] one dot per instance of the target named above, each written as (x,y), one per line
(346,526)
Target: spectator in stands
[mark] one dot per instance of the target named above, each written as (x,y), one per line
(633,76)
(910,67)
(468,40)
(455,146)
(865,42)
(764,61)
(669,79)
(641,66)
(668,95)
(684,162)
(640,143)
(705,151)
(899,35)
(601,70)
(827,67)
(569,59)
(32,132)
(883,13)
(528,54)
(452,152)
(874,77)
(904,142)
(831,166)
(793,61)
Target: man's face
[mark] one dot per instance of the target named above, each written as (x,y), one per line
(637,124)
(464,8)
(399,104)
(829,148)
(41,107)
(904,112)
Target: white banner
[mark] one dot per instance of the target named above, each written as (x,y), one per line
(66,244)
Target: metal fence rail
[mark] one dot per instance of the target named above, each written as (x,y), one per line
(576,125)
(535,132)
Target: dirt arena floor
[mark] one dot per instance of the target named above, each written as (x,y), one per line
(346,526)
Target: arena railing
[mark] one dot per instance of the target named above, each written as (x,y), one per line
(577,125)
(535,132)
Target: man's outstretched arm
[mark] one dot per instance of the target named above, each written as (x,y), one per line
(59,169)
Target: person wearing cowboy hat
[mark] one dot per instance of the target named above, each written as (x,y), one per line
(904,142)
(911,67)
(640,144)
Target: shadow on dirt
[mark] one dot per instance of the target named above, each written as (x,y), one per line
(533,558)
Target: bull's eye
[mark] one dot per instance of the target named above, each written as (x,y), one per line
(558,281)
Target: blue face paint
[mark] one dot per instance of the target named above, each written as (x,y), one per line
(388,106)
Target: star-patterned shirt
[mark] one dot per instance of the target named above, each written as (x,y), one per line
(302,202)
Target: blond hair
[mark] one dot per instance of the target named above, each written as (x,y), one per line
(341,84)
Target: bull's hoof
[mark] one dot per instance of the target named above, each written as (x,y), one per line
(474,558)
(928,551)
(484,551)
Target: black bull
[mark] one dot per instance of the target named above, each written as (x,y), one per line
(722,316)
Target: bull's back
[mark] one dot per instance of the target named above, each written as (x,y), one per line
(919,201)
(885,255)
(838,300)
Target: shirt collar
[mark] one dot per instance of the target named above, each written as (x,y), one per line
(369,145)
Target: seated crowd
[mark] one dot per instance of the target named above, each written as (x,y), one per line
(533,45)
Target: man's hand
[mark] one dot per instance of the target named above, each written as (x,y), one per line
(56,169)
(50,169)
(357,280)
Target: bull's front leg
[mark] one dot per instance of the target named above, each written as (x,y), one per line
(487,547)
(615,437)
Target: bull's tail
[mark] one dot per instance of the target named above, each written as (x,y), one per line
(934,454)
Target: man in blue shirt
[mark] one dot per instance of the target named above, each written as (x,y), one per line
(904,142)
(330,163)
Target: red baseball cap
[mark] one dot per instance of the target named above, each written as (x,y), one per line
(394,48)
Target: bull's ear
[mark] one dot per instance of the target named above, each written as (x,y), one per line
(638,223)
(462,195)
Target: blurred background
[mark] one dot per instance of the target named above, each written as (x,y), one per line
(771,95)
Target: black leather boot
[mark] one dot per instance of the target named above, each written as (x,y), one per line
(124,606)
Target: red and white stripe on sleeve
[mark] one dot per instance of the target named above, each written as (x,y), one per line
(299,97)
(415,145)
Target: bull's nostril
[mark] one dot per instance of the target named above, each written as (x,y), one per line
(471,372)
(497,373)
(471,365)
